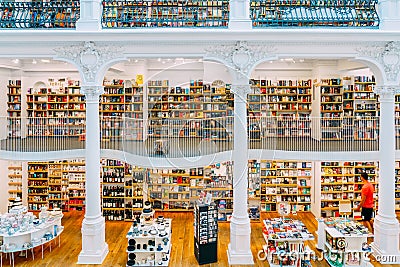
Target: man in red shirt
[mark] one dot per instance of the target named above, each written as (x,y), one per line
(367,202)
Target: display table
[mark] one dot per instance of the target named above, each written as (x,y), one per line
(33,235)
(344,242)
(149,244)
(285,243)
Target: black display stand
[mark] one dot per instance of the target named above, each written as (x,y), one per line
(206,233)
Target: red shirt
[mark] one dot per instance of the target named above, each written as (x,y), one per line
(368,191)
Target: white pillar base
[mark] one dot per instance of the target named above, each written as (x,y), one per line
(386,240)
(88,25)
(240,24)
(239,251)
(94,247)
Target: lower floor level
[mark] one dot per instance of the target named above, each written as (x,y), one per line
(182,250)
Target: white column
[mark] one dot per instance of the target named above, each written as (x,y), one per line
(386,225)
(94,247)
(389,14)
(239,15)
(90,15)
(239,251)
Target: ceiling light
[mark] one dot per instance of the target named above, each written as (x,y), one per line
(159,59)
(15,61)
(45,60)
(136,61)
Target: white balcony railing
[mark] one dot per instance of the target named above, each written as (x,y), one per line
(176,138)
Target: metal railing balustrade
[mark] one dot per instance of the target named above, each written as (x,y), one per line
(165,13)
(314,13)
(182,138)
(39,14)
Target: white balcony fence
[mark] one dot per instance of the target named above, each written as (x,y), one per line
(177,138)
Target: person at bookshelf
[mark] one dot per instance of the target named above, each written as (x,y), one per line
(367,202)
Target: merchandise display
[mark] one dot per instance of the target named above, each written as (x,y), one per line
(205,232)
(285,242)
(21,230)
(344,241)
(149,240)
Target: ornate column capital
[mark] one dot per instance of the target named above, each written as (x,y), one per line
(240,57)
(387,91)
(388,55)
(241,91)
(90,59)
(92,92)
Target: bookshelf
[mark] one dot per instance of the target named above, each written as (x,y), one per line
(331,108)
(113,191)
(169,190)
(76,184)
(14,108)
(61,105)
(121,105)
(254,190)
(287,101)
(341,180)
(38,185)
(365,108)
(14,180)
(285,181)
(218,180)
(135,189)
(58,193)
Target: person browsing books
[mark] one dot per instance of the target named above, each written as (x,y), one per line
(367,202)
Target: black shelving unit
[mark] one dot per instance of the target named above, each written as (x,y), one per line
(206,233)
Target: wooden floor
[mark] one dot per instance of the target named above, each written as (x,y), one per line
(182,253)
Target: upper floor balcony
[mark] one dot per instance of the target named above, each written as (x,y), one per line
(190,138)
(123,14)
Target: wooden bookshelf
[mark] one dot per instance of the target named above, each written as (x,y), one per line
(76,184)
(135,189)
(58,193)
(365,109)
(331,108)
(342,181)
(113,189)
(14,180)
(287,100)
(14,108)
(285,181)
(170,189)
(38,185)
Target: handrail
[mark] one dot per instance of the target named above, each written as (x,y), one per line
(178,138)
(314,13)
(39,15)
(165,13)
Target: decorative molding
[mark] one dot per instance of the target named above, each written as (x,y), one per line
(241,91)
(92,93)
(240,57)
(387,91)
(89,58)
(388,55)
